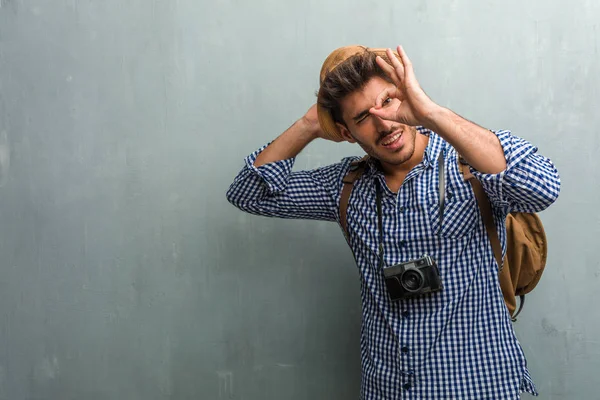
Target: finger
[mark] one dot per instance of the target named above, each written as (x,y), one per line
(396,64)
(387,93)
(409,71)
(387,113)
(403,56)
(388,69)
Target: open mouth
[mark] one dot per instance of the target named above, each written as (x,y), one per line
(392,140)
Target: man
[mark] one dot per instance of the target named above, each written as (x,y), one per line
(455,341)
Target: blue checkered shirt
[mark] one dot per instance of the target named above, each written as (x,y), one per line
(458,343)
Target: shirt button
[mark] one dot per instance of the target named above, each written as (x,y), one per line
(403,243)
(402,209)
(404,349)
(404,314)
(406,386)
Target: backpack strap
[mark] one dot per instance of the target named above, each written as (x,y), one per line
(354,173)
(485,208)
(521,304)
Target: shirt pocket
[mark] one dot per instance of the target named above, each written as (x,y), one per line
(459,214)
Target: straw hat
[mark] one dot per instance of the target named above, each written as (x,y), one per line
(334,59)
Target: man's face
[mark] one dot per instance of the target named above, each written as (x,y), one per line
(390,142)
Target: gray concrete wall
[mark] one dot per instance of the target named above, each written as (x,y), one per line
(124,273)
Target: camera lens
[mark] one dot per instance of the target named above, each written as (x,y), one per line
(412,280)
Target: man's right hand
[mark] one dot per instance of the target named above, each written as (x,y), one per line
(292,141)
(310,122)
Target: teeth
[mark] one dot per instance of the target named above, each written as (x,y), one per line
(392,139)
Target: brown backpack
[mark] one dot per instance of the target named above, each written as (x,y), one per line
(526,246)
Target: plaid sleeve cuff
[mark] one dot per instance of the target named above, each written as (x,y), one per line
(515,151)
(275,175)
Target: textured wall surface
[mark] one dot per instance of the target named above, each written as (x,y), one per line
(125,274)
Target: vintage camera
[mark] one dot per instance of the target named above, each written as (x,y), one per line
(412,278)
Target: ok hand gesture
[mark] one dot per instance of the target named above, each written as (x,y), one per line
(415,107)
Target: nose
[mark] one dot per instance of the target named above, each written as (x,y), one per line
(383,125)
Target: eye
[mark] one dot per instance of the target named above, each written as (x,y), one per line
(386,101)
(361,118)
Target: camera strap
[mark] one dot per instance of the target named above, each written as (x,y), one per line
(379,222)
(442,196)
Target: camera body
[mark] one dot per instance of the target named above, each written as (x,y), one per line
(412,278)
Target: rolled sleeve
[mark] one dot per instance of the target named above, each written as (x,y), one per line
(275,175)
(273,190)
(530,182)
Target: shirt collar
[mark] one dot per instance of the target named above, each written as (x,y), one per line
(433,149)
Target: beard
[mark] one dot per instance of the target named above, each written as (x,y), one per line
(393,157)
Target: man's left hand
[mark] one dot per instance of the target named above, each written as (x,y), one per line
(415,107)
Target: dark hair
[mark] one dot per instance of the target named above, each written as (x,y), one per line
(349,76)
